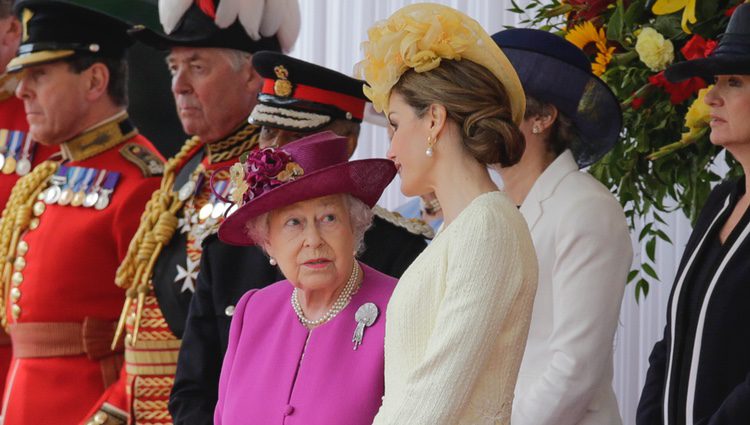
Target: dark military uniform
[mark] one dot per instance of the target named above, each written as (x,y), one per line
(163,262)
(301,97)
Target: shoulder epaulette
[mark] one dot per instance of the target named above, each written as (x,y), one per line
(148,162)
(413,225)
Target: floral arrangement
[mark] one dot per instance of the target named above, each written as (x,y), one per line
(260,171)
(664,162)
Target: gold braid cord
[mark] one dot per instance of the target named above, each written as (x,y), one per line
(16,218)
(226,149)
(158,224)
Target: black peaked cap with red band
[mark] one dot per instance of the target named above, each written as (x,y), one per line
(304,97)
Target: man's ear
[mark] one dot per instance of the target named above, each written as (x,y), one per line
(98,81)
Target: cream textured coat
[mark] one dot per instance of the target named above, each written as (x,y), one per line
(458,319)
(585,252)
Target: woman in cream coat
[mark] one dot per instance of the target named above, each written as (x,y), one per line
(458,319)
(579,232)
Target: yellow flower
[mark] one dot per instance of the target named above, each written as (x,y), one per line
(420,36)
(667,7)
(586,34)
(290,172)
(654,50)
(240,187)
(697,118)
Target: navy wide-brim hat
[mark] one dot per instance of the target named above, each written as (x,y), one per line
(731,56)
(56,29)
(554,70)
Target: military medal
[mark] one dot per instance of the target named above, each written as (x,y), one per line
(219,191)
(94,189)
(3,146)
(81,187)
(52,194)
(365,317)
(67,193)
(23,166)
(107,189)
(186,191)
(10,159)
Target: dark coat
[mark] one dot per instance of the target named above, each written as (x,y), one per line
(227,272)
(713,282)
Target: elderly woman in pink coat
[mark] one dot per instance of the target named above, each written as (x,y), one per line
(307,350)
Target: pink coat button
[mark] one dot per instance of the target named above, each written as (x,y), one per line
(288,410)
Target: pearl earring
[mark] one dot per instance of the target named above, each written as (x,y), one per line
(430,143)
(272,261)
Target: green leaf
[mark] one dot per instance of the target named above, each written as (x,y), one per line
(641,288)
(651,249)
(616,23)
(645,231)
(632,275)
(649,270)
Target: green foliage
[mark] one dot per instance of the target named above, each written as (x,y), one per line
(651,171)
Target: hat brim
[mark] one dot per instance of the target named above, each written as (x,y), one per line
(581,96)
(364,179)
(23,61)
(707,68)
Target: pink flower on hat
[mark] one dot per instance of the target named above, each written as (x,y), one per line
(262,171)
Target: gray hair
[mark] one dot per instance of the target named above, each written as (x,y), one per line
(360,217)
(237,58)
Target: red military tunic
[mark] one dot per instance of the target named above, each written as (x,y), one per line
(63,277)
(13,118)
(151,362)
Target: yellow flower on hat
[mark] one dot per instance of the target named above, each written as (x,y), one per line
(420,37)
(240,186)
(667,7)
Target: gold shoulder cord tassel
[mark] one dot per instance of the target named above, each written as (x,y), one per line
(158,224)
(16,218)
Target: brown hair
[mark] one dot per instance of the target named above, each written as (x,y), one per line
(563,132)
(475,100)
(6,8)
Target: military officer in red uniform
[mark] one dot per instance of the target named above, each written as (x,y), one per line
(67,224)
(215,87)
(12,124)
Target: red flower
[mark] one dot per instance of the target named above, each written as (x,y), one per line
(678,92)
(587,10)
(730,11)
(261,170)
(698,48)
(636,103)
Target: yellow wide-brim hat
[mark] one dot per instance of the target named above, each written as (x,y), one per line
(422,35)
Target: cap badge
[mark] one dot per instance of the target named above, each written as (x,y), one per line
(282,87)
(25,18)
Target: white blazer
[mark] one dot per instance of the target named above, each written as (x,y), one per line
(584,251)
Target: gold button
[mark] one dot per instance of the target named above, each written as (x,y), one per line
(15,310)
(100,418)
(15,294)
(19,264)
(34,223)
(22,248)
(128,340)
(39,208)
(17,278)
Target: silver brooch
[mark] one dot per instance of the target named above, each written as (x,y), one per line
(365,317)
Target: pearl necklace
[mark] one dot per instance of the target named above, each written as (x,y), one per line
(342,301)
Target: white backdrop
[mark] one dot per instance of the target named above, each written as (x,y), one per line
(332,31)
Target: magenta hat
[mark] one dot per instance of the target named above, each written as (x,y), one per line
(314,166)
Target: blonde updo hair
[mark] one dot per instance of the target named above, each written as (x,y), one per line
(475,100)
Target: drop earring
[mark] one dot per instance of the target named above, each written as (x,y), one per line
(430,143)
(536,129)
(272,261)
